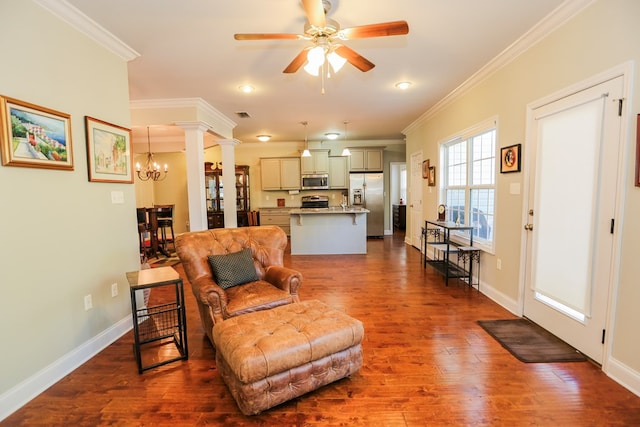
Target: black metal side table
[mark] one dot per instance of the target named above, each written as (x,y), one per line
(161,324)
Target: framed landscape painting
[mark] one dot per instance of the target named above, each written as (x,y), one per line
(33,136)
(108,152)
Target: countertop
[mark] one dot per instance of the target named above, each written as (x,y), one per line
(330,210)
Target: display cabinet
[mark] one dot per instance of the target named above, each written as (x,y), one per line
(215,194)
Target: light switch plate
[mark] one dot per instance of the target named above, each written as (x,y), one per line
(117,197)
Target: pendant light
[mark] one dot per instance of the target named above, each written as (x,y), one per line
(306,152)
(345,151)
(151,170)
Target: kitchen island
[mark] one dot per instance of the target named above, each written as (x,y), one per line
(328,231)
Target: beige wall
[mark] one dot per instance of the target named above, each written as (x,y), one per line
(603,36)
(62,238)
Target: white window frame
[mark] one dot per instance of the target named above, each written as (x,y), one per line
(467,134)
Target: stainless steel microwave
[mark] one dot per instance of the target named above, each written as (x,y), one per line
(315,181)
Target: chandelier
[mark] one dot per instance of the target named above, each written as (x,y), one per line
(151,170)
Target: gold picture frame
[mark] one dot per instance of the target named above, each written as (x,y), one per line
(425,168)
(32,136)
(109,154)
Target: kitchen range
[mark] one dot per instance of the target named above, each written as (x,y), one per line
(317,229)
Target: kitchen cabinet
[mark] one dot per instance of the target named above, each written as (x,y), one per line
(317,163)
(338,173)
(276,216)
(215,195)
(280,173)
(366,159)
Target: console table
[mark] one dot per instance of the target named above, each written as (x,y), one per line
(443,248)
(164,321)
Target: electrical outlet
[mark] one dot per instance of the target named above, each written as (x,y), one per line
(114,290)
(499,264)
(88,303)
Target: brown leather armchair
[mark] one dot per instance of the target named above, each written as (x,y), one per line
(276,284)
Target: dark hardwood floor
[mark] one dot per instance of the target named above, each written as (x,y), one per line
(426,363)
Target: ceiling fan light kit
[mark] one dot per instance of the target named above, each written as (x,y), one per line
(324,34)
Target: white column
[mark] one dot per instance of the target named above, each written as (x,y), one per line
(229,181)
(194,142)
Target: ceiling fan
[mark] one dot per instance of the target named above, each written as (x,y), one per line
(326,36)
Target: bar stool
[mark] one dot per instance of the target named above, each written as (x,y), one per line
(143,234)
(165,224)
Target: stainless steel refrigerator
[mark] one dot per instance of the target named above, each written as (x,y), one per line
(366,190)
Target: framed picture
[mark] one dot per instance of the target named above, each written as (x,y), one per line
(510,159)
(638,151)
(425,168)
(108,152)
(34,137)
(432,176)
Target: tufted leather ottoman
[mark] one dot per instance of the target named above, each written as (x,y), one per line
(269,357)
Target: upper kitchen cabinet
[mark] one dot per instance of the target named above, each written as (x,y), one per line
(338,173)
(280,173)
(366,159)
(317,163)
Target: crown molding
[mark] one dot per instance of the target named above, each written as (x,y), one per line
(87,26)
(542,29)
(197,103)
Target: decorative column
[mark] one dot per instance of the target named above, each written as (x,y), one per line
(229,181)
(194,143)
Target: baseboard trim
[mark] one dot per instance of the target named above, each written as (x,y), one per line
(21,394)
(623,375)
(500,298)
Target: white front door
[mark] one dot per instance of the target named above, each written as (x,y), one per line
(415,200)
(574,161)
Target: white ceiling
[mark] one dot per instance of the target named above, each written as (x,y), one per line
(187,50)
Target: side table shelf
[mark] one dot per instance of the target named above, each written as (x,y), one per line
(450,259)
(161,324)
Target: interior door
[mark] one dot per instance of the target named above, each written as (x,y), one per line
(415,199)
(574,151)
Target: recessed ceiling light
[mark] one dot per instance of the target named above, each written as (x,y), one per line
(264,138)
(332,135)
(403,85)
(246,88)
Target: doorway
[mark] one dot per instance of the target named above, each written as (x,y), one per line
(574,162)
(414,233)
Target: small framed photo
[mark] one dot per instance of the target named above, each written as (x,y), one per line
(108,152)
(510,159)
(34,137)
(432,176)
(425,168)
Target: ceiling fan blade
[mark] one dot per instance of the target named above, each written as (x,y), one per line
(315,12)
(395,28)
(354,58)
(267,36)
(297,62)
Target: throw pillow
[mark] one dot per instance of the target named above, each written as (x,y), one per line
(233,269)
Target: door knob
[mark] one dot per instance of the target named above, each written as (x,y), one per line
(528,226)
